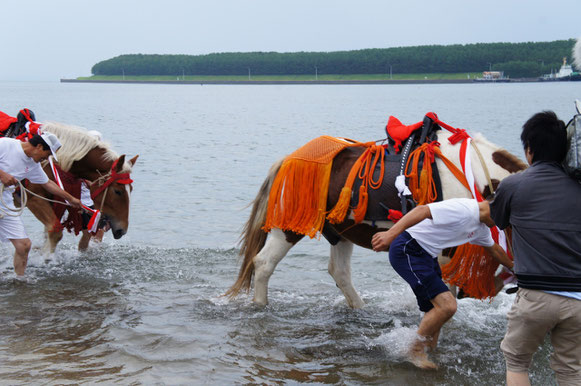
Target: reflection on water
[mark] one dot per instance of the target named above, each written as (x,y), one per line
(52,328)
(147,309)
(157,315)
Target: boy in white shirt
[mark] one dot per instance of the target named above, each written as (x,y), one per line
(414,243)
(20,160)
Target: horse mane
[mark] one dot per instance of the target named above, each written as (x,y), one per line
(76,143)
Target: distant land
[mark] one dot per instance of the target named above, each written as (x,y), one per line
(433,64)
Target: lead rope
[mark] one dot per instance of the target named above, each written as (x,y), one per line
(484,167)
(491,187)
(15,212)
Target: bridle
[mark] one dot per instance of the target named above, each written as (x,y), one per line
(105,180)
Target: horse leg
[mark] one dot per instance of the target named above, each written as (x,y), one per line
(42,210)
(84,241)
(340,270)
(276,247)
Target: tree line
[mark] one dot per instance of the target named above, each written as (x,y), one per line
(529,59)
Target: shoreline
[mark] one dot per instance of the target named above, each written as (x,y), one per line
(301,82)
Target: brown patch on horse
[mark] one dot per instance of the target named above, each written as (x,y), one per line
(359,234)
(292,237)
(342,164)
(508,162)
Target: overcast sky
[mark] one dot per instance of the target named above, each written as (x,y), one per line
(53,39)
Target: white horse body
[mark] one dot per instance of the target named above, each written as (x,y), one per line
(277,244)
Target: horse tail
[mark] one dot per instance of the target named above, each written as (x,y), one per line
(253,237)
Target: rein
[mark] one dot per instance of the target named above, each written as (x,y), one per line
(15,212)
(107,179)
(103,181)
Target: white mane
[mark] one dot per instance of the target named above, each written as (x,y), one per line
(577,54)
(451,187)
(76,143)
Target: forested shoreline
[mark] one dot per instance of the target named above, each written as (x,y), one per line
(516,60)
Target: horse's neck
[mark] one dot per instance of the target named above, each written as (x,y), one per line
(451,186)
(92,165)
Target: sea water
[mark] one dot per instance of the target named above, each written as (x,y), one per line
(148,308)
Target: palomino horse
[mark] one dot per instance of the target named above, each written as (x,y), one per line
(261,254)
(84,156)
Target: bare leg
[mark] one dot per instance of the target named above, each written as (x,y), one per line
(443,260)
(517,379)
(265,262)
(429,329)
(340,270)
(21,250)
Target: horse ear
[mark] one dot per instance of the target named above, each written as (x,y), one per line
(508,162)
(120,163)
(132,160)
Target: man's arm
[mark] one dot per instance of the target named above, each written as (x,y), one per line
(53,188)
(501,203)
(7,179)
(500,255)
(382,240)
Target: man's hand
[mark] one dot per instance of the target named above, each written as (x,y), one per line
(75,202)
(7,179)
(53,188)
(382,240)
(500,255)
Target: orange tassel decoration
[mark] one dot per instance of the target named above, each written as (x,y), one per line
(298,197)
(362,168)
(472,269)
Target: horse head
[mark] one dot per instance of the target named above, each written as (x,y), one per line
(111,195)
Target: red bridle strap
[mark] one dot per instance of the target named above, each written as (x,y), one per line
(121,178)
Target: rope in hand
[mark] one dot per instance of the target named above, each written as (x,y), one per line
(15,212)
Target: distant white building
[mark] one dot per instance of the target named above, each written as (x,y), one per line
(493,75)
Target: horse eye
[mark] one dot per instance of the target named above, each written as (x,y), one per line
(118,192)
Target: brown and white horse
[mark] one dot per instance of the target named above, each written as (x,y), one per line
(85,157)
(261,254)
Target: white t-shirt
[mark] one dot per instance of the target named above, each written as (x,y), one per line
(454,222)
(14,162)
(86,195)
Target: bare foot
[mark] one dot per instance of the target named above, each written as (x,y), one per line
(420,359)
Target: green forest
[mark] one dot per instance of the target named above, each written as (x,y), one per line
(517,60)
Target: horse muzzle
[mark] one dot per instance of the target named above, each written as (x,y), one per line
(117,234)
(116,229)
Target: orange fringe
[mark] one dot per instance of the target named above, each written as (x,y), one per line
(298,197)
(362,168)
(472,269)
(421,183)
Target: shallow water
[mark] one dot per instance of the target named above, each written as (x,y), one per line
(147,309)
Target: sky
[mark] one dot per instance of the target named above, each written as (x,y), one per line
(46,40)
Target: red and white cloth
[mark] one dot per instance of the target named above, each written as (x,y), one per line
(96,214)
